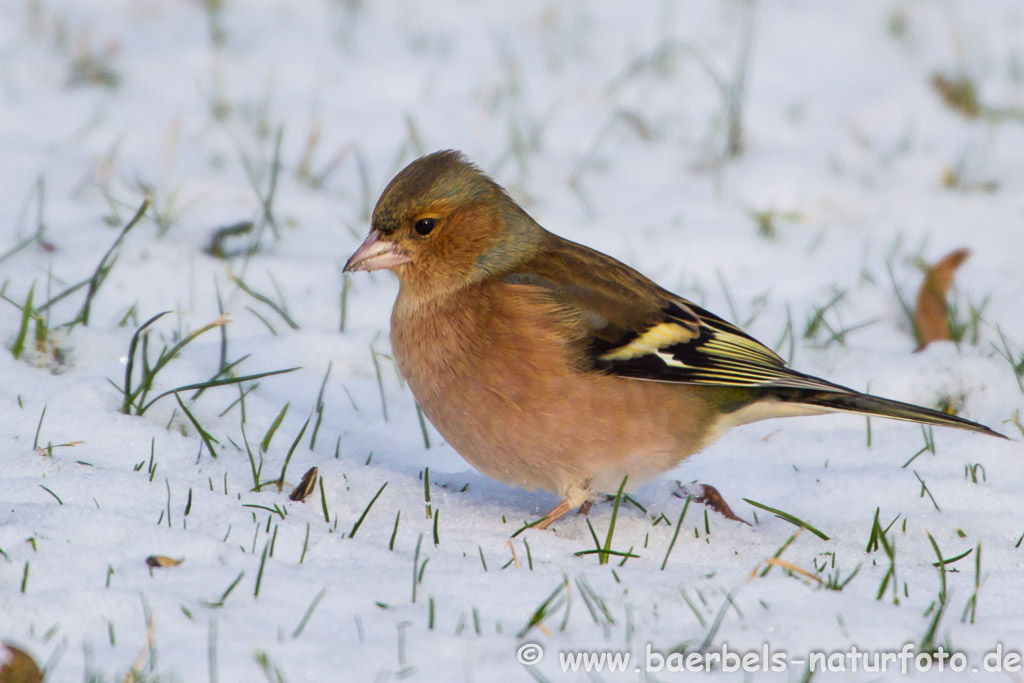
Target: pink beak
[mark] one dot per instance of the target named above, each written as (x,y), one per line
(375,254)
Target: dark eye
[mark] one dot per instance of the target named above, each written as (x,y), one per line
(425,226)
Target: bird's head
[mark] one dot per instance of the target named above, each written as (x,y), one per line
(442,224)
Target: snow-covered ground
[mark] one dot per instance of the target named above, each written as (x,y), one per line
(610,123)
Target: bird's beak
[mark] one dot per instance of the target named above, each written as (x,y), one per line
(375,254)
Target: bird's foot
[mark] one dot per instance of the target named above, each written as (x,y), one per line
(576,496)
(554,514)
(709,497)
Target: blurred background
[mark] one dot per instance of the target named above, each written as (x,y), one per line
(794,166)
(682,125)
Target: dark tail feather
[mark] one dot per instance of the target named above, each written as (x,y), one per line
(867,404)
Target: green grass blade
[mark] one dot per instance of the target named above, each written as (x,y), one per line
(203,434)
(359,522)
(265,443)
(796,521)
(288,458)
(218,383)
(26,314)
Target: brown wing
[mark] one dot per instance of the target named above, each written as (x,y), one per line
(639,330)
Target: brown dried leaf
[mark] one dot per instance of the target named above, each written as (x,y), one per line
(959,93)
(931,314)
(709,497)
(18,666)
(163,561)
(305,486)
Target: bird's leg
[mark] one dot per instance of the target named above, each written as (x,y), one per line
(555,513)
(709,497)
(579,495)
(585,508)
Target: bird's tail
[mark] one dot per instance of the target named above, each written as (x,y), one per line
(865,404)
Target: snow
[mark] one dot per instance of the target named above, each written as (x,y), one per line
(606,122)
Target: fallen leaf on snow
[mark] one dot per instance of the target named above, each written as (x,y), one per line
(305,486)
(931,314)
(18,666)
(163,561)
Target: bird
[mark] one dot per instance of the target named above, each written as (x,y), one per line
(549,365)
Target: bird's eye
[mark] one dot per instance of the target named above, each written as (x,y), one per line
(425,226)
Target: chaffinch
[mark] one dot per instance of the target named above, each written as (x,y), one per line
(552,366)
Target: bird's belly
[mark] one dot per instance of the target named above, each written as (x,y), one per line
(561,432)
(502,385)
